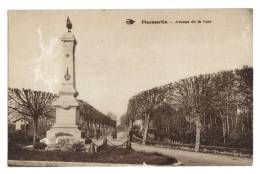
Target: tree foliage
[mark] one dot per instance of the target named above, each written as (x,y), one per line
(32,105)
(91,120)
(209,109)
(142,106)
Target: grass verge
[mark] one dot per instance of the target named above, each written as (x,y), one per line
(108,154)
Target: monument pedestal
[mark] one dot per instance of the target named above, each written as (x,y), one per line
(67,131)
(66,111)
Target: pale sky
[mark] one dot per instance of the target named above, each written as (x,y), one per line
(115,61)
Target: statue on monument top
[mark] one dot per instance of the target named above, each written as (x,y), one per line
(69,24)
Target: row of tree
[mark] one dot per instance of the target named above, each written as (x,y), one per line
(91,120)
(35,108)
(212,109)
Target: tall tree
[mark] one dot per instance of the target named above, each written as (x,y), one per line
(145,103)
(31,104)
(194,95)
(244,98)
(225,102)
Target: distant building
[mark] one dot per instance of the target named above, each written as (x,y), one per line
(17,124)
(140,123)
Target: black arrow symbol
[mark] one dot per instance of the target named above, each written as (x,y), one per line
(129,21)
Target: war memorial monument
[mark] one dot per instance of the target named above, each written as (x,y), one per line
(66,104)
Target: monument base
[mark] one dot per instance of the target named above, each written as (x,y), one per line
(66,115)
(64,131)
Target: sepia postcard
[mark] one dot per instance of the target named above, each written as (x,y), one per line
(170,87)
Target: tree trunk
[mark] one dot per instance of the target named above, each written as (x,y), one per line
(25,127)
(100,129)
(198,128)
(35,128)
(146,129)
(227,125)
(129,129)
(247,119)
(95,130)
(223,128)
(88,130)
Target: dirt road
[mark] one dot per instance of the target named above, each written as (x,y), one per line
(194,158)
